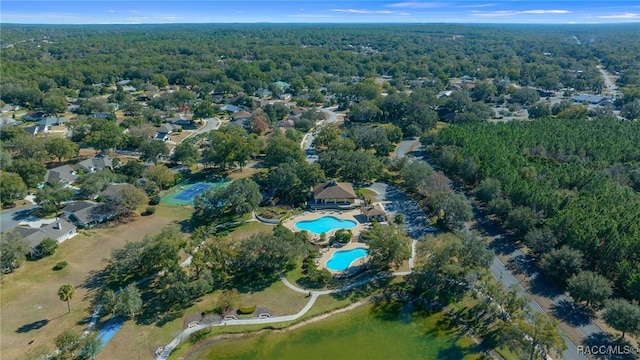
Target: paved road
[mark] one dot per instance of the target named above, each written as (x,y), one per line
(11,218)
(211,124)
(501,272)
(307,140)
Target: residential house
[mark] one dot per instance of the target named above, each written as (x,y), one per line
(103,116)
(241,118)
(32,130)
(333,192)
(286,124)
(262,93)
(48,121)
(591,99)
(95,163)
(64,174)
(230,108)
(8,107)
(59,230)
(123,82)
(34,116)
(373,212)
(5,121)
(285,97)
(86,214)
(281,85)
(164,131)
(128,88)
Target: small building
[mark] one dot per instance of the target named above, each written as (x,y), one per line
(241,115)
(588,98)
(95,163)
(281,85)
(230,108)
(64,174)
(103,116)
(48,121)
(32,130)
(86,214)
(59,230)
(333,192)
(373,212)
(34,116)
(262,93)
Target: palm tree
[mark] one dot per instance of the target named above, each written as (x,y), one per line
(66,293)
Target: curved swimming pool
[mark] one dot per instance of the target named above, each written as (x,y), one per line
(340,260)
(325,224)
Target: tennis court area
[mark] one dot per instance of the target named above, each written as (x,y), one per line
(184,194)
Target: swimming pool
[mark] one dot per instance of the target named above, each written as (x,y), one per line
(325,224)
(340,260)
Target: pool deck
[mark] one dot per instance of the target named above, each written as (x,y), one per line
(326,253)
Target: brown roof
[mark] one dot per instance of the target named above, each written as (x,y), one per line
(241,115)
(373,210)
(334,190)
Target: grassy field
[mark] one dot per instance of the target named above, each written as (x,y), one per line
(32,313)
(386,331)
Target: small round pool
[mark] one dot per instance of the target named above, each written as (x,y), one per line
(341,260)
(325,224)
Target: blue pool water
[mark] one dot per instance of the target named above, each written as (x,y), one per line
(108,330)
(340,260)
(325,224)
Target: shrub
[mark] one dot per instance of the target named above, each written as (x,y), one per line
(101,198)
(246,310)
(399,219)
(60,265)
(48,246)
(199,335)
(149,211)
(343,236)
(154,200)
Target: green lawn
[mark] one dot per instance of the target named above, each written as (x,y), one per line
(376,332)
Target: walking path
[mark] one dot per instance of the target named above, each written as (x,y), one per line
(314,294)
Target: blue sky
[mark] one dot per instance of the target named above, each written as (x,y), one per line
(306,11)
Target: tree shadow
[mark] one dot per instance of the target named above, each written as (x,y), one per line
(544,286)
(603,346)
(94,280)
(502,246)
(571,313)
(32,326)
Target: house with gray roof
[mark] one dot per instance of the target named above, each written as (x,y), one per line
(64,174)
(95,163)
(59,230)
(86,214)
(588,98)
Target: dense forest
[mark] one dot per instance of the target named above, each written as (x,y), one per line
(578,179)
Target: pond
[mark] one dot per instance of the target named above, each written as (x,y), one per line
(367,332)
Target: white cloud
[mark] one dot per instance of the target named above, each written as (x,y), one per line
(111,11)
(542,12)
(512,12)
(370,12)
(632,16)
(416,5)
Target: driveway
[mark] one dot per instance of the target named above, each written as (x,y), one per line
(11,218)
(307,140)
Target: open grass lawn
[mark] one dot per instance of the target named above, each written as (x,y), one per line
(250,228)
(31,309)
(377,332)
